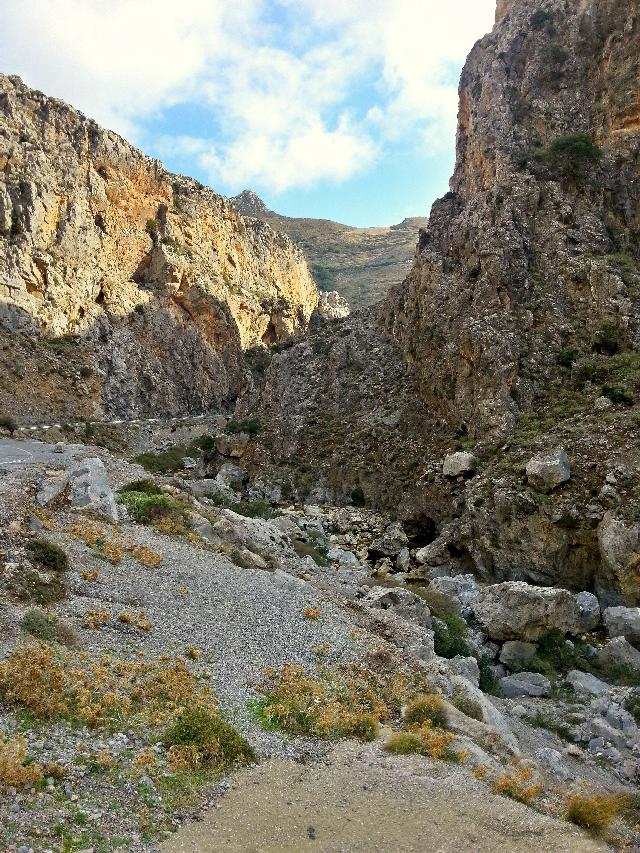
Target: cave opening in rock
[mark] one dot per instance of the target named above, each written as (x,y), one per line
(420,530)
(270,337)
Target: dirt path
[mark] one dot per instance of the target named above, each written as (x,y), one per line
(363,801)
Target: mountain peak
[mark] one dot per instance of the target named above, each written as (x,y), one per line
(250,204)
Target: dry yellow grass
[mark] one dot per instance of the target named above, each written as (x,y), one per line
(96,618)
(424,739)
(103,692)
(594,812)
(90,575)
(312,613)
(13,771)
(518,785)
(147,557)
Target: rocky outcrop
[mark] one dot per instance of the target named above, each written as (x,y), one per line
(162,279)
(520,315)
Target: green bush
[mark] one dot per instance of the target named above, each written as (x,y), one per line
(607,340)
(39,624)
(632,705)
(570,155)
(147,487)
(568,358)
(210,736)
(488,682)
(618,395)
(165,462)
(48,555)
(540,19)
(155,509)
(449,636)
(427,707)
(252,426)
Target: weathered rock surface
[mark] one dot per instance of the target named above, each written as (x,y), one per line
(584,682)
(401,602)
(547,471)
(517,611)
(162,279)
(623,622)
(459,464)
(85,487)
(525,684)
(618,653)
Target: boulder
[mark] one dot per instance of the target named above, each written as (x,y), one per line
(340,555)
(467,667)
(332,306)
(619,653)
(584,682)
(89,489)
(620,719)
(623,622)
(460,464)
(232,446)
(525,684)
(619,545)
(256,534)
(392,541)
(463,590)
(401,602)
(514,610)
(517,655)
(589,608)
(547,471)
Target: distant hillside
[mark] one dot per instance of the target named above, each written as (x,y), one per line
(360,263)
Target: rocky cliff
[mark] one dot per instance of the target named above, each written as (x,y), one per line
(157,280)
(517,330)
(361,264)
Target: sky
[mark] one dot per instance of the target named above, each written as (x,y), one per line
(338,109)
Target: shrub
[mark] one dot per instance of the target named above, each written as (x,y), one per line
(540,19)
(252,425)
(318,553)
(252,509)
(449,636)
(488,682)
(152,229)
(39,624)
(571,154)
(166,462)
(155,509)
(13,770)
(429,707)
(607,340)
(632,705)
(517,785)
(8,423)
(423,740)
(345,701)
(593,812)
(568,358)
(148,487)
(208,738)
(618,395)
(47,555)
(30,585)
(467,704)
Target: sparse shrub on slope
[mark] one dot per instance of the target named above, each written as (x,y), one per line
(201,737)
(47,555)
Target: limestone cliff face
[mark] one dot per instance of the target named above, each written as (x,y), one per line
(535,249)
(517,329)
(161,275)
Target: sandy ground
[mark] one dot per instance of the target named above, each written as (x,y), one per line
(363,801)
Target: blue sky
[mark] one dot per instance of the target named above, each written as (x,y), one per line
(343,109)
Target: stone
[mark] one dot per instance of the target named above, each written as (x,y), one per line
(623,622)
(401,602)
(89,489)
(462,590)
(619,544)
(589,609)
(584,682)
(618,652)
(51,488)
(392,541)
(233,445)
(546,471)
(525,684)
(618,718)
(346,558)
(332,306)
(189,463)
(517,655)
(515,610)
(460,464)
(403,560)
(601,404)
(467,667)
(553,761)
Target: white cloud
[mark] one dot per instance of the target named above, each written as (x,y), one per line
(278,76)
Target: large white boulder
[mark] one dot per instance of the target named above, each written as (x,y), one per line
(546,471)
(460,464)
(623,622)
(514,610)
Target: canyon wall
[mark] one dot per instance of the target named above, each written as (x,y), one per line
(160,279)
